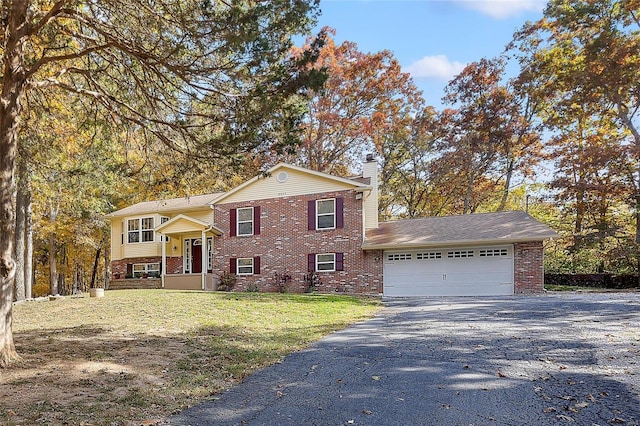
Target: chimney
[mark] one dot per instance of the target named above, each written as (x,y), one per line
(370,204)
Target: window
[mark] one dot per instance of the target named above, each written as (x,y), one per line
(133,228)
(209,254)
(493,253)
(147,229)
(399,256)
(245,221)
(245,266)
(326,262)
(326,214)
(459,254)
(150,269)
(429,255)
(140,230)
(163,219)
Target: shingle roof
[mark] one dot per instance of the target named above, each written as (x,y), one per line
(185,203)
(485,228)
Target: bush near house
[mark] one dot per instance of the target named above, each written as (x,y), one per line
(609,281)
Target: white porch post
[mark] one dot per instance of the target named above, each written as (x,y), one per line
(204,258)
(163,269)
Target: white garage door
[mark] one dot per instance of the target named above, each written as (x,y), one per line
(480,271)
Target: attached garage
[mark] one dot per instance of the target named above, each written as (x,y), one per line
(458,271)
(489,254)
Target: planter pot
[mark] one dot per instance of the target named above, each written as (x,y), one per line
(96,292)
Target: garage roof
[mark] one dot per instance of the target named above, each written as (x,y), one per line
(484,228)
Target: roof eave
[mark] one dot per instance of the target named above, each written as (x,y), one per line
(154,211)
(435,244)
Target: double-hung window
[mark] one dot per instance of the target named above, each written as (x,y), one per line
(245,221)
(326,262)
(326,214)
(147,229)
(245,266)
(133,230)
(140,230)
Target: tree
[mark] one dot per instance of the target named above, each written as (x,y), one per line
(588,53)
(492,133)
(408,160)
(363,98)
(176,71)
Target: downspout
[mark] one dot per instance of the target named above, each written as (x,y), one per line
(163,270)
(205,255)
(203,258)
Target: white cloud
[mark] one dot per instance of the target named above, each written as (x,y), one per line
(502,9)
(438,66)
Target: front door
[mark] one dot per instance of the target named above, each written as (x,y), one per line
(196,259)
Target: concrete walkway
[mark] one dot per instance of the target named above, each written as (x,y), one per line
(532,360)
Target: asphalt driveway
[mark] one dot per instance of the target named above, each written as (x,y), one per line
(534,360)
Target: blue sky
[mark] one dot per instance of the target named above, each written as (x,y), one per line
(432,39)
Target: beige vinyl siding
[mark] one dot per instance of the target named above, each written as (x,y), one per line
(370,204)
(179,227)
(116,246)
(297,183)
(370,210)
(149,249)
(205,216)
(141,249)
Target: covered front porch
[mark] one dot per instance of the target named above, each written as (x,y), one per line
(191,241)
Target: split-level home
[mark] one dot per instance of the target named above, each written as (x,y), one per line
(300,229)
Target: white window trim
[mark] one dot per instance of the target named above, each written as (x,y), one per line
(238,222)
(325,262)
(318,214)
(146,268)
(140,231)
(244,266)
(163,219)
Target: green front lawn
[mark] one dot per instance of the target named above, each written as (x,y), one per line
(139,355)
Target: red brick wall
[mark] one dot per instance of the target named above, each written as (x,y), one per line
(119,267)
(528,267)
(285,241)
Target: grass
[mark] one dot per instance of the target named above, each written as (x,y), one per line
(553,287)
(136,356)
(590,289)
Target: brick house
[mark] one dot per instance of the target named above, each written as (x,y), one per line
(293,226)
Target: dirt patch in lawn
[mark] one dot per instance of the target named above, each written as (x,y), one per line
(136,357)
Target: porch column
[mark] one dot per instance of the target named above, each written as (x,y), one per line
(204,258)
(163,267)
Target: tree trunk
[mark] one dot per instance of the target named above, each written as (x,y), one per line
(28,250)
(507,185)
(20,242)
(53,265)
(106,269)
(468,190)
(94,271)
(13,81)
